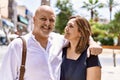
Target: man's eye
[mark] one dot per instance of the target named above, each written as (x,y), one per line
(52,20)
(43,19)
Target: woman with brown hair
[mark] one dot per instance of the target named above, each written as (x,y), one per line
(76,65)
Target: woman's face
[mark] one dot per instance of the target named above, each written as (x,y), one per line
(71,30)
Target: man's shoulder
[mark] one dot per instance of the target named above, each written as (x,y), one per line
(15,44)
(57,38)
(56,35)
(27,36)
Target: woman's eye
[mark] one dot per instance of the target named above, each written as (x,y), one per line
(70,26)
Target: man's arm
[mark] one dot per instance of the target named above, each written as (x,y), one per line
(94,48)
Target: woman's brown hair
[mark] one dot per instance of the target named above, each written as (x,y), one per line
(85,31)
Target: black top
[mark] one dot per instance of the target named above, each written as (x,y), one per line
(76,69)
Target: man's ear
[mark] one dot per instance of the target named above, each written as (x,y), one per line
(34,19)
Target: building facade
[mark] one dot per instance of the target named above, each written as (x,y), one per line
(18,15)
(4,8)
(14,18)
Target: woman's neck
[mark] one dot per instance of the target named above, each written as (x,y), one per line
(73,44)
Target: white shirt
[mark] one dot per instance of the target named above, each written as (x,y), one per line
(41,64)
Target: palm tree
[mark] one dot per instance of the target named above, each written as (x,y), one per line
(91,5)
(45,2)
(115,29)
(65,11)
(111,4)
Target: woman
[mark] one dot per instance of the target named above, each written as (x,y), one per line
(76,65)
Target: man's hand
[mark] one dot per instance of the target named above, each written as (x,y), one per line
(94,50)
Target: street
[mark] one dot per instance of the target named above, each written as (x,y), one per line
(109,72)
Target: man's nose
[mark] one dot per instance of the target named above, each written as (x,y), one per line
(47,22)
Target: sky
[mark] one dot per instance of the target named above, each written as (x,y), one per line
(32,5)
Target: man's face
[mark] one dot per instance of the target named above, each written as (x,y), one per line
(44,22)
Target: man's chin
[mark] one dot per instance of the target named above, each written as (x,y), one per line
(46,34)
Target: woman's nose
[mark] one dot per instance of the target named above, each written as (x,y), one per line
(66,28)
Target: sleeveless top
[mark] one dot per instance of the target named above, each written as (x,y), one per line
(76,69)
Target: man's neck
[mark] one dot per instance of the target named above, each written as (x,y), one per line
(42,40)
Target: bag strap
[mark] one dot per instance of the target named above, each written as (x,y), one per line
(22,67)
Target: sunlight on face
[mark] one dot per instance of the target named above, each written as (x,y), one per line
(71,30)
(44,21)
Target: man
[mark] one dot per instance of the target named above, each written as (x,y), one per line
(44,50)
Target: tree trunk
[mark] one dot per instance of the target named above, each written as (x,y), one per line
(92,13)
(110,13)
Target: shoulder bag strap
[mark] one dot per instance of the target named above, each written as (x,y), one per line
(22,67)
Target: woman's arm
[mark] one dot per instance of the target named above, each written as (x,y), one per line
(93,68)
(94,73)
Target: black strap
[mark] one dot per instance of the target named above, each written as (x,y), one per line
(22,67)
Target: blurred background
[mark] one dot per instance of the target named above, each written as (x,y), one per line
(103,15)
